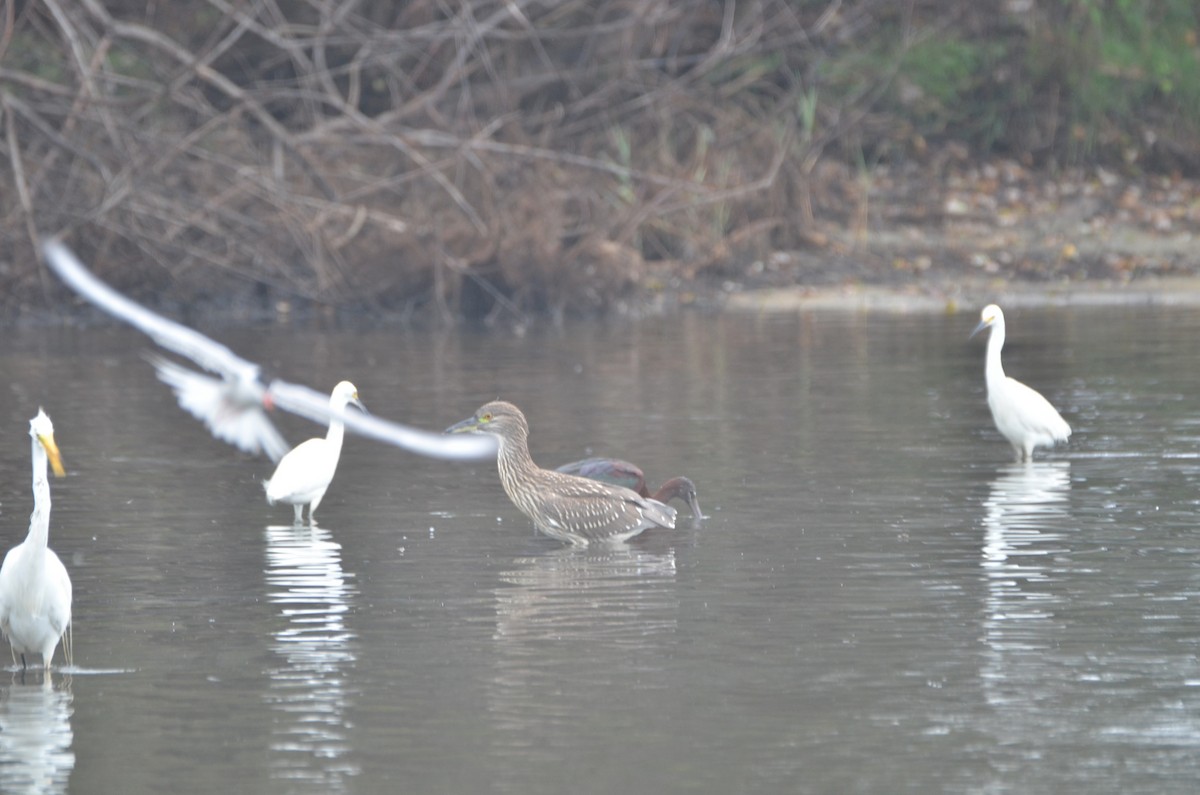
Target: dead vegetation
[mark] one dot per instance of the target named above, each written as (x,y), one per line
(482,156)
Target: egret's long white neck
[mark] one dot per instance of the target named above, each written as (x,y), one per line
(994,370)
(337,429)
(39,520)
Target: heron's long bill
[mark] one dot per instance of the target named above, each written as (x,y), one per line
(469,425)
(52,453)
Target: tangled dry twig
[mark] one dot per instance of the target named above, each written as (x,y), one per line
(533,155)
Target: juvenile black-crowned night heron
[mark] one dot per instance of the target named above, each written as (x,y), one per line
(623,473)
(1021,414)
(35,589)
(567,507)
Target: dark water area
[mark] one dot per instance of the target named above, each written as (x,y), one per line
(877,601)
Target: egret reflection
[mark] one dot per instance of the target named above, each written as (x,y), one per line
(1026,515)
(305,579)
(36,736)
(1023,515)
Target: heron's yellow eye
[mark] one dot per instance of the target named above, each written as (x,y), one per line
(486,417)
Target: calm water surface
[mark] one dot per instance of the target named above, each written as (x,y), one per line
(878,600)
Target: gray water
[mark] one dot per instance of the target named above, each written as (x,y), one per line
(878,601)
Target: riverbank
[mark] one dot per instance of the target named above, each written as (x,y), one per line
(952,233)
(1179,291)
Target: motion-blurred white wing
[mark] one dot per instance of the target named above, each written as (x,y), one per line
(233,406)
(307,403)
(210,355)
(241,422)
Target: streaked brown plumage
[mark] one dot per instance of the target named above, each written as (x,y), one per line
(623,473)
(570,508)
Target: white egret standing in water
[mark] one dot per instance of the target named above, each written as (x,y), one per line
(1021,414)
(35,589)
(306,472)
(234,403)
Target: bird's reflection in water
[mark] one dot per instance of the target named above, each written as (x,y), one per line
(305,579)
(1026,515)
(35,735)
(570,624)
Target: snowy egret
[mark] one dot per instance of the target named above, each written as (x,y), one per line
(623,473)
(35,589)
(566,507)
(1021,414)
(305,473)
(233,405)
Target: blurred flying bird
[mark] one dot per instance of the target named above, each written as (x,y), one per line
(234,401)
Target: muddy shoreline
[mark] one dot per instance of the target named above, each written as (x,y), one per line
(1167,292)
(938,239)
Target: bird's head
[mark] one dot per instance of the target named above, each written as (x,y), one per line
(990,316)
(684,489)
(42,431)
(346,394)
(497,418)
